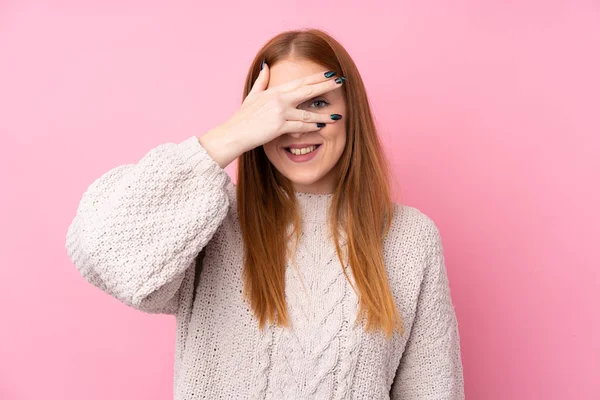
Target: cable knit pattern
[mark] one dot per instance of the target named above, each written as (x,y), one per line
(137,235)
(307,356)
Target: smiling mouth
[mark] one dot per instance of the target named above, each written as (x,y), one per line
(313,147)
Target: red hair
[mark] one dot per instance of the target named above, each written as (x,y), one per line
(361,205)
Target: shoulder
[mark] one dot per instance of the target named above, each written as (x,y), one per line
(413,231)
(412,241)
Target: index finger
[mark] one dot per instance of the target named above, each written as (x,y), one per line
(303,93)
(305,80)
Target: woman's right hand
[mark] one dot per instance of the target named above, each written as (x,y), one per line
(268,113)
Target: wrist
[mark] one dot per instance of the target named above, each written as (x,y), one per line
(221,145)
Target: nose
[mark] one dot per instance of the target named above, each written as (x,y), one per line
(296,135)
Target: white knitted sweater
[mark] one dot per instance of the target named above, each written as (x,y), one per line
(136,235)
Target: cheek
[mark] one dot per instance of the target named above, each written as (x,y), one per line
(337,138)
(270,150)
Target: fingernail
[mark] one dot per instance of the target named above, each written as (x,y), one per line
(262,64)
(336,116)
(320,124)
(329,74)
(340,80)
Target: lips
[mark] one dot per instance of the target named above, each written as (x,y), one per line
(288,149)
(300,146)
(302,157)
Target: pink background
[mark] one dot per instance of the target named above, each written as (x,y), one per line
(489,111)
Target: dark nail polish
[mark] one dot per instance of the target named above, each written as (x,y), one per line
(329,74)
(320,124)
(340,79)
(336,116)
(262,64)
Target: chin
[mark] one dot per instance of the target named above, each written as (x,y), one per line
(302,180)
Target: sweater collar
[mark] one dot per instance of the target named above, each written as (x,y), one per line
(314,207)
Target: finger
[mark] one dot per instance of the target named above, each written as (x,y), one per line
(295,114)
(301,94)
(298,126)
(305,80)
(262,81)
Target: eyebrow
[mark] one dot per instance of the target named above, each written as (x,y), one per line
(317,97)
(321,95)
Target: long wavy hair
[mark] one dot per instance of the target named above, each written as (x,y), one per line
(362,204)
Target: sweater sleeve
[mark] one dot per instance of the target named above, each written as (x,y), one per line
(139,227)
(431,366)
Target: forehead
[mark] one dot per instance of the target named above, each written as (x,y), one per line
(289,70)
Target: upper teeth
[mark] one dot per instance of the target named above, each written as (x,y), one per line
(304,150)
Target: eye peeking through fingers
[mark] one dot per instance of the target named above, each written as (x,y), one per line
(320,103)
(323,101)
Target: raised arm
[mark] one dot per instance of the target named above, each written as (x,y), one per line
(139,227)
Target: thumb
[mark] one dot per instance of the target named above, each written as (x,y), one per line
(262,80)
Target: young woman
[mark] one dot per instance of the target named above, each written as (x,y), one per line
(302,281)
